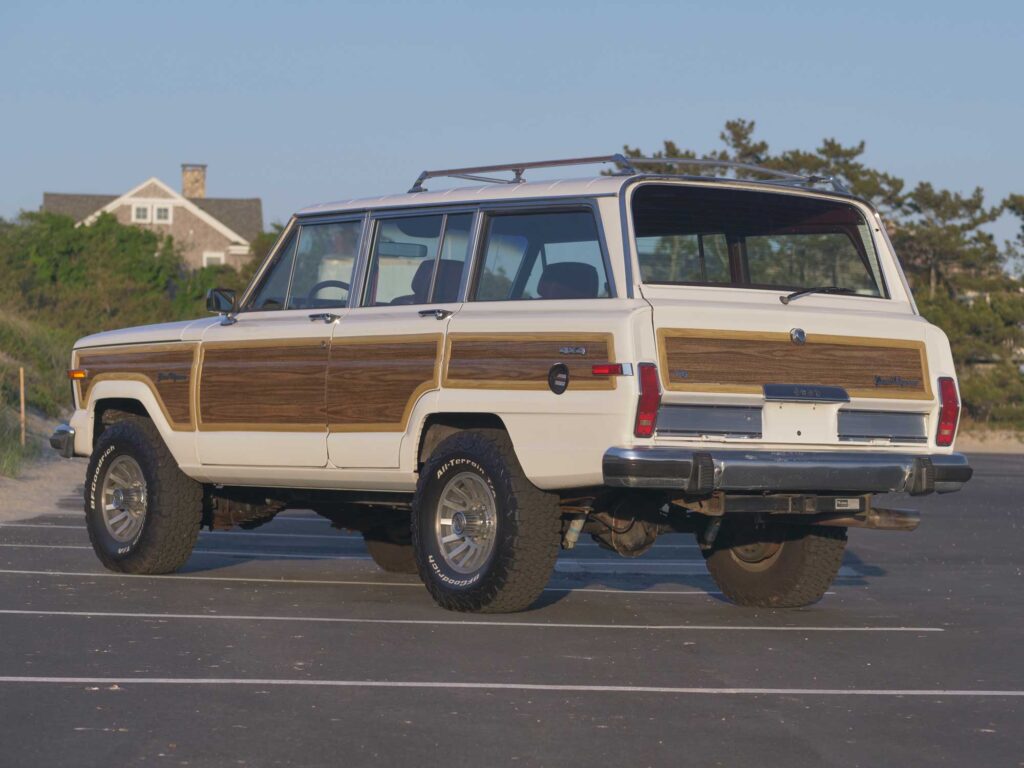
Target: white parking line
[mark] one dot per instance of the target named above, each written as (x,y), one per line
(324,537)
(227,552)
(332,582)
(274,534)
(572,566)
(462,623)
(672,690)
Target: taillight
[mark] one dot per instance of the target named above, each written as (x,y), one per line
(949,411)
(649,400)
(607,369)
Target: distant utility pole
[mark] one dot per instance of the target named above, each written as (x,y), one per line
(21,380)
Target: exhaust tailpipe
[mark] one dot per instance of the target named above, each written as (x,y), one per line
(877,519)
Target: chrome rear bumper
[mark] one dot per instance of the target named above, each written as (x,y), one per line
(703,472)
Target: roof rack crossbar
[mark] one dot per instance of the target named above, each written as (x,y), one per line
(626,166)
(787,177)
(518,169)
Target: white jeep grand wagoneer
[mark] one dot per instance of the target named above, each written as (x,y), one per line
(475,377)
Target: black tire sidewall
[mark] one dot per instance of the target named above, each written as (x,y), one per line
(784,581)
(433,567)
(119,440)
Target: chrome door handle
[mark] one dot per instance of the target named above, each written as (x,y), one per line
(439,314)
(327,317)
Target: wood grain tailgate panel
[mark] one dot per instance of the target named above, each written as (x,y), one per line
(165,369)
(522,360)
(727,361)
(373,382)
(267,386)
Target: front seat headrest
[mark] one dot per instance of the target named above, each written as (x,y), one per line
(568,280)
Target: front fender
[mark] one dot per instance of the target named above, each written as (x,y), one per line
(180,439)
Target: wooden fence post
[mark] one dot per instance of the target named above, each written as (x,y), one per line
(21,381)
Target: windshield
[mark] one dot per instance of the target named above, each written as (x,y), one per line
(730,237)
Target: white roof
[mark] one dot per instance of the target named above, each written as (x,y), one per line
(587,187)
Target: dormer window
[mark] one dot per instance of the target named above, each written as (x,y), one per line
(140,213)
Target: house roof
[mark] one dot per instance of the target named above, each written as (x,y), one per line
(76,206)
(243,215)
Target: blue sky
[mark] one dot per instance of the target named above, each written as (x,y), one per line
(304,102)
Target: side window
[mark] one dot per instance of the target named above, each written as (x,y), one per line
(402,262)
(274,290)
(324,260)
(685,258)
(553,255)
(454,255)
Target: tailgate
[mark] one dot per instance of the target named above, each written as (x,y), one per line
(789,376)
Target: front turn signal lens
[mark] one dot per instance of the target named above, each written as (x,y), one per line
(77,374)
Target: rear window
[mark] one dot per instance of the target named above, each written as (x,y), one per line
(706,236)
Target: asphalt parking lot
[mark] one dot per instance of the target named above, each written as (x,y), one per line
(286,646)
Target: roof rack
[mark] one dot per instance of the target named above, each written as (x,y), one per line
(626,166)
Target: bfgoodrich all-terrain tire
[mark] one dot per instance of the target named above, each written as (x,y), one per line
(486,539)
(142,513)
(782,566)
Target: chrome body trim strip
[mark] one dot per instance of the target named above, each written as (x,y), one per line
(700,420)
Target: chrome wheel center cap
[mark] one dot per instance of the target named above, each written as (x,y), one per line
(117,498)
(458,523)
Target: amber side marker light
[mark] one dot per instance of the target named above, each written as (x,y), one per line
(77,374)
(949,412)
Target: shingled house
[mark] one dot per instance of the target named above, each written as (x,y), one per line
(208,230)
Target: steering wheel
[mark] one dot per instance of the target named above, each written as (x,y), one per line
(317,287)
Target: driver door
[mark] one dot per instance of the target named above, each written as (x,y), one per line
(261,379)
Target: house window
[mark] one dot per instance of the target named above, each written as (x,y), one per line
(213,258)
(162,214)
(140,213)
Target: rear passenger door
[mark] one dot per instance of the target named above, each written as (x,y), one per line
(540,296)
(386,353)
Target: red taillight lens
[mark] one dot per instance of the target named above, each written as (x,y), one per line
(606,369)
(949,411)
(650,399)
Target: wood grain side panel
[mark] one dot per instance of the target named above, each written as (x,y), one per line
(373,382)
(710,361)
(522,360)
(166,369)
(274,387)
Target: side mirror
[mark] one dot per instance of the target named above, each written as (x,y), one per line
(220,300)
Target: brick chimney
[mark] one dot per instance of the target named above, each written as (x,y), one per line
(193,180)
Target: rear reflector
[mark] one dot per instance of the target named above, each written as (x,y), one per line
(606,369)
(949,411)
(649,400)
